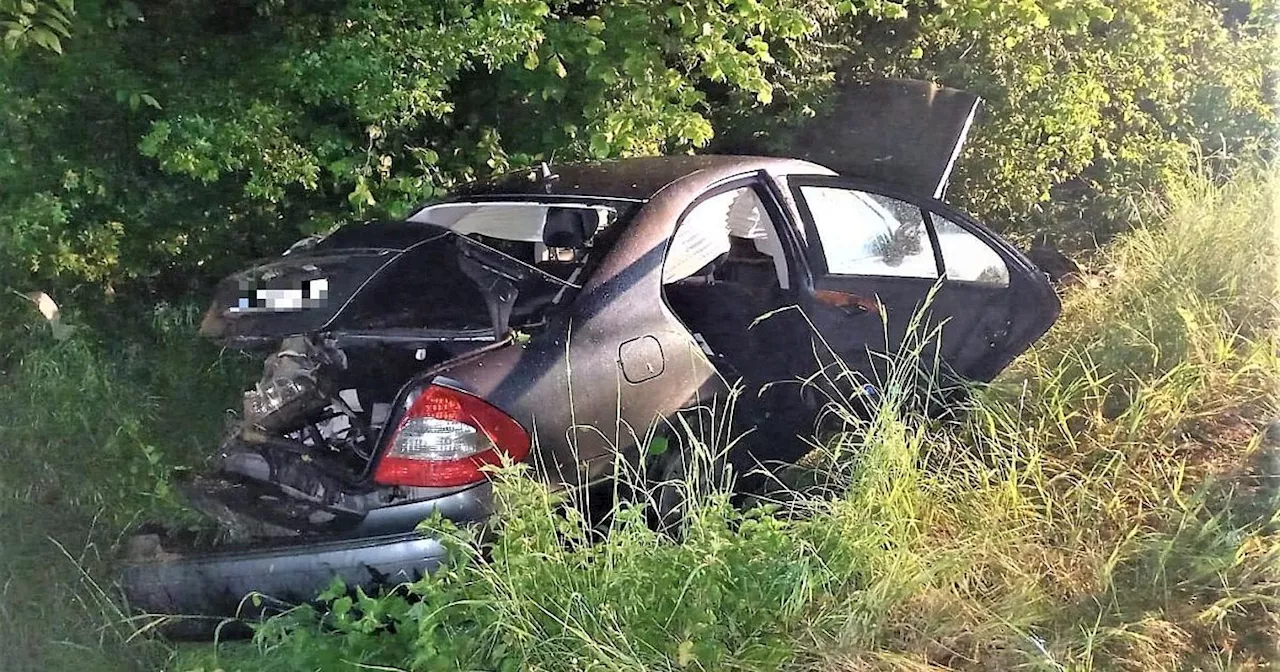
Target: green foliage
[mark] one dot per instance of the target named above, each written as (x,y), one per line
(96,423)
(1087,105)
(731,594)
(1102,506)
(1092,106)
(178,133)
(177,139)
(89,424)
(42,23)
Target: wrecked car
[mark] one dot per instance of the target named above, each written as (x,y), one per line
(560,316)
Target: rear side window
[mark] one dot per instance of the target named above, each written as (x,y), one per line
(869,234)
(966,257)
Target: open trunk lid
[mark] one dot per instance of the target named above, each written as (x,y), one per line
(392,277)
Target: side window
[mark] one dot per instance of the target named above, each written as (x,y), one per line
(966,258)
(870,234)
(729,229)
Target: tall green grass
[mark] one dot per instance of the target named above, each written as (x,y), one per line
(98,424)
(93,429)
(1106,504)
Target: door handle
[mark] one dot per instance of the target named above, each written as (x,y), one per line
(847,301)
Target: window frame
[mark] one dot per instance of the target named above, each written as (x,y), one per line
(942,262)
(817,249)
(815,254)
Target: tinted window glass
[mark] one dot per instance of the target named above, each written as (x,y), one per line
(966,257)
(869,234)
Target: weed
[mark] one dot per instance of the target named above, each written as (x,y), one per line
(91,436)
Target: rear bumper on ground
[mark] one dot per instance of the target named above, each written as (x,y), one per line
(217,584)
(383,550)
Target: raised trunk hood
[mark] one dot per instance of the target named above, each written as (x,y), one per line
(388,276)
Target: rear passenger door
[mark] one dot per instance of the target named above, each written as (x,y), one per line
(993,302)
(886,264)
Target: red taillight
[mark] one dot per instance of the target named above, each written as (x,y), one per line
(444,439)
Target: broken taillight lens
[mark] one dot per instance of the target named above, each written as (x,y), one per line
(445,438)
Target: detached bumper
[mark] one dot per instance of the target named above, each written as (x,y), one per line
(216,584)
(384,549)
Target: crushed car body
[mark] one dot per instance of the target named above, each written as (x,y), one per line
(558,317)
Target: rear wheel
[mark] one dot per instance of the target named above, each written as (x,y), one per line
(683,471)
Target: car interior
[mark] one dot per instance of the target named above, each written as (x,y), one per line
(724,269)
(552,238)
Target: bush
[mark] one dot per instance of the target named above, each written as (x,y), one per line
(1087,106)
(97,422)
(123,168)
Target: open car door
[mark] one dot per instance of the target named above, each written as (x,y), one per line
(878,256)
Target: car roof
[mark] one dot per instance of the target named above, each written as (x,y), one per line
(636,179)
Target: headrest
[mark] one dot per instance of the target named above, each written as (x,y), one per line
(569,227)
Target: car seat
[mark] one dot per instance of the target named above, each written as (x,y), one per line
(568,227)
(746,265)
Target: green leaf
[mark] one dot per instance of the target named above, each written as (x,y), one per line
(600,145)
(361,195)
(13,37)
(531,61)
(57,21)
(45,38)
(685,654)
(712,70)
(764,93)
(334,590)
(893,10)
(342,606)
(428,157)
